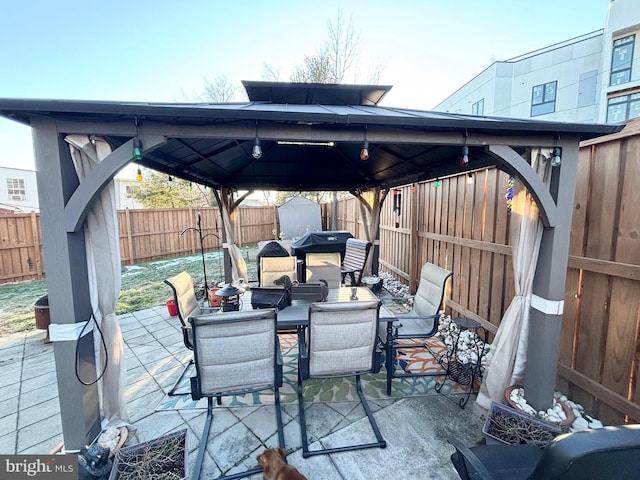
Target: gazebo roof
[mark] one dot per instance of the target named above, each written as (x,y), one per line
(307,144)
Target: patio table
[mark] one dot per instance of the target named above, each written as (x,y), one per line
(297,314)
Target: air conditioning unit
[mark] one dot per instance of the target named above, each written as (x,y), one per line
(16,197)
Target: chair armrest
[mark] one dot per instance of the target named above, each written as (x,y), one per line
(195,388)
(430,333)
(464,458)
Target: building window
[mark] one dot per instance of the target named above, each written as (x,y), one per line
(543,99)
(131,190)
(621,59)
(16,189)
(478,107)
(623,107)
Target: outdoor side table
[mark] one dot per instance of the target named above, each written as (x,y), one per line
(463,373)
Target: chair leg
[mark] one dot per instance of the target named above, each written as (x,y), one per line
(172,392)
(390,361)
(381,443)
(279,419)
(303,422)
(197,469)
(203,439)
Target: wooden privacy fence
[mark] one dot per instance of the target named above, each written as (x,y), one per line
(464,227)
(144,235)
(20,247)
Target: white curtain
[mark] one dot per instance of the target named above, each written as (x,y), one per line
(507,359)
(103,262)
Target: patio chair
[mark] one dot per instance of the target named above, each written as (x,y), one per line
(355,256)
(324,266)
(235,353)
(273,268)
(187,305)
(271,249)
(340,342)
(421,322)
(606,453)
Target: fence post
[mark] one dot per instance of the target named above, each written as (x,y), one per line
(413,240)
(192,221)
(127,217)
(275,222)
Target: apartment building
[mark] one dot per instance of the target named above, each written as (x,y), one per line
(591,78)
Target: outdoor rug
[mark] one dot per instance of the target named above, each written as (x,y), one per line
(332,390)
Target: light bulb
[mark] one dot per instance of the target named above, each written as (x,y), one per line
(137,149)
(469,179)
(139,175)
(464,160)
(556,158)
(364,153)
(257,150)
(170,181)
(438,183)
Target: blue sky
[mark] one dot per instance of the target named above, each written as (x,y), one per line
(162,51)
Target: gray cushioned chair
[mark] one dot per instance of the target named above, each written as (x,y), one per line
(421,322)
(186,305)
(355,256)
(235,353)
(340,342)
(610,453)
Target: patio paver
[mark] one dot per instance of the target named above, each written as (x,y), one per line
(415,428)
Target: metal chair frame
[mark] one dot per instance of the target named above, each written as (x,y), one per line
(304,374)
(196,393)
(355,258)
(394,331)
(186,329)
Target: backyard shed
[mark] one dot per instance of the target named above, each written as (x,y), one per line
(299,215)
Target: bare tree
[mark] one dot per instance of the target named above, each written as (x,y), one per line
(315,69)
(270,73)
(218,90)
(342,47)
(338,58)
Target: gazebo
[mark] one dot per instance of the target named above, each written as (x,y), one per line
(304,137)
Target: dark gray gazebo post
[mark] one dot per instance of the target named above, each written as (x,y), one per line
(547,302)
(67,286)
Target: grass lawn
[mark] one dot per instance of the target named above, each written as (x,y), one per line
(142,287)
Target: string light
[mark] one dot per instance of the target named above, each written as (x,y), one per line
(469,178)
(510,193)
(137,144)
(556,157)
(256,152)
(438,183)
(139,175)
(364,153)
(464,159)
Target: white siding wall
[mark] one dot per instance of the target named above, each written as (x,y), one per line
(30,202)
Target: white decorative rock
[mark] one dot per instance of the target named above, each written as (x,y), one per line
(580,424)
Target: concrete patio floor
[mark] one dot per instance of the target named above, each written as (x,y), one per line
(416,428)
